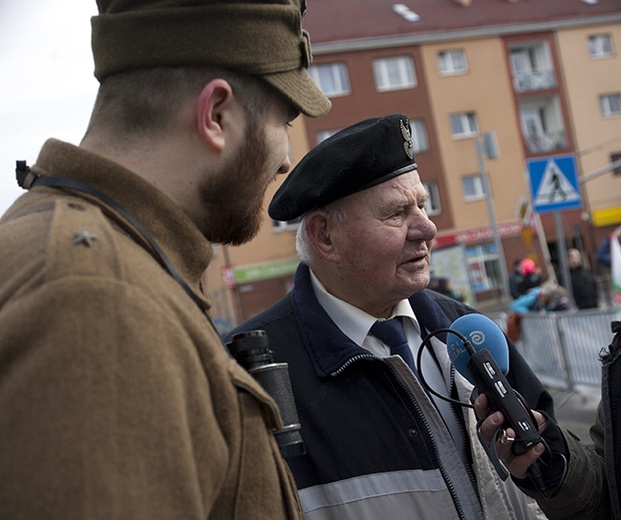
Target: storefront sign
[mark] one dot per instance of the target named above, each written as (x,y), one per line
(252,273)
(477,235)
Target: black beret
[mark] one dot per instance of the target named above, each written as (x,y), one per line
(360,156)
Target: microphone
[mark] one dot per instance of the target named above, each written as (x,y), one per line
(480,353)
(482,333)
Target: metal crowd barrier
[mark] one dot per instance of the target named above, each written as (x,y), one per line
(563,348)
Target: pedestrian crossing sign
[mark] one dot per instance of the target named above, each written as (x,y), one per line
(554,183)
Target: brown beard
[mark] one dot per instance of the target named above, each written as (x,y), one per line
(234,198)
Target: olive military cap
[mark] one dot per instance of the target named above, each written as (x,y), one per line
(259,38)
(360,156)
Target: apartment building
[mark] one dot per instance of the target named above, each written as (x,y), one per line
(491,87)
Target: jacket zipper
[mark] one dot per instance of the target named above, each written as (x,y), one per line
(447,481)
(449,484)
(350,361)
(464,432)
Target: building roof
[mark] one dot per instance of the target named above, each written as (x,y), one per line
(336,25)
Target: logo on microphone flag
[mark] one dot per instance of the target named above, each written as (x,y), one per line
(477,337)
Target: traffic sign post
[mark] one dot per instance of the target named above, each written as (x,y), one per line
(554,187)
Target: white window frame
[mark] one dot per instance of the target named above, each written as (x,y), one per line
(477,192)
(600,46)
(531,66)
(487,261)
(394,73)
(452,62)
(405,12)
(467,123)
(432,206)
(419,135)
(331,78)
(610,104)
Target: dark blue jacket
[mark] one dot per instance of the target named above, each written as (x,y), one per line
(368,428)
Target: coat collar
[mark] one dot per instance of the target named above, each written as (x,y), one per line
(328,348)
(168,225)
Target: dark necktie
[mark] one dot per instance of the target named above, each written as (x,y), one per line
(392,334)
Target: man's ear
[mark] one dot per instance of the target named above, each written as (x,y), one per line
(318,229)
(212,112)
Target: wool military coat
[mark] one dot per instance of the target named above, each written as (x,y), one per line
(117,398)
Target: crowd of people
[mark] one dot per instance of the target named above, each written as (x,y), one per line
(587,474)
(531,292)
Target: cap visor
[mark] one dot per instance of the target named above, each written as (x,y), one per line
(299,88)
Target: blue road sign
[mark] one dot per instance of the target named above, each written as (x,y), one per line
(554,184)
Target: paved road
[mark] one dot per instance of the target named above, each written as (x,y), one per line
(577,412)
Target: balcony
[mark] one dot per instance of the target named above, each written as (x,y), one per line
(533,80)
(545,142)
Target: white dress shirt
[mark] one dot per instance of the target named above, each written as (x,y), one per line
(356,324)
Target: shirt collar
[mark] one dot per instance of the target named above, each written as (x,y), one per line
(352,321)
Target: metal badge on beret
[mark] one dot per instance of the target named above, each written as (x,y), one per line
(407,135)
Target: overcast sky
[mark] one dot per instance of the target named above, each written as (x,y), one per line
(47,87)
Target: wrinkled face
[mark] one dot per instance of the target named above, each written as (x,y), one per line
(384,244)
(235,198)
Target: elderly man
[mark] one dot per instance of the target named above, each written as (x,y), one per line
(377,444)
(118,398)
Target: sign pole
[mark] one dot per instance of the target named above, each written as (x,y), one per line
(554,188)
(543,244)
(562,256)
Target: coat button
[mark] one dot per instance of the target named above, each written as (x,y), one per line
(413,432)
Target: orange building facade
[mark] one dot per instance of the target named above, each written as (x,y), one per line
(546,87)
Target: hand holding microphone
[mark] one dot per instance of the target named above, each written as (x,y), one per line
(479,351)
(483,359)
(518,465)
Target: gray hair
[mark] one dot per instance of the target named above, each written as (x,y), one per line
(336,212)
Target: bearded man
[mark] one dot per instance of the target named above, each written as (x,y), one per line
(118,398)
